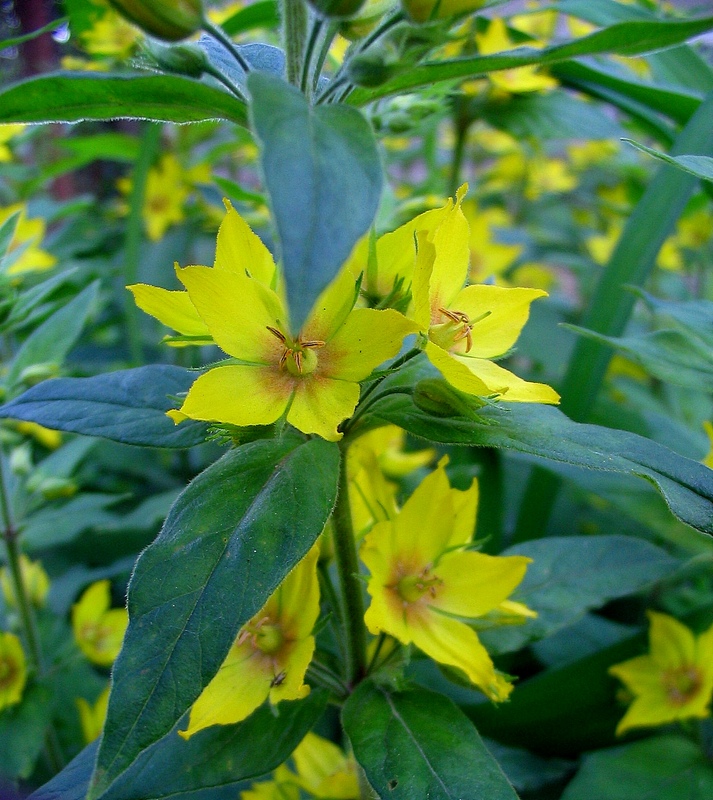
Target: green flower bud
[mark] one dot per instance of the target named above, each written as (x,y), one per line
(440,399)
(185,59)
(370,69)
(365,22)
(169,20)
(336,9)
(429,10)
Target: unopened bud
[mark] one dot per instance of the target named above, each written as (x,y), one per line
(370,69)
(170,20)
(430,10)
(336,9)
(366,20)
(184,59)
(440,399)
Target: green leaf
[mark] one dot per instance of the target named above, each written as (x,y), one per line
(700,166)
(546,432)
(323,174)
(695,316)
(71,97)
(7,231)
(263,14)
(51,342)
(230,539)
(27,305)
(570,575)
(672,356)
(625,38)
(127,406)
(663,767)
(417,743)
(555,115)
(22,732)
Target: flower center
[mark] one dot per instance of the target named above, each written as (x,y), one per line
(413,587)
(96,635)
(265,635)
(455,328)
(298,356)
(682,684)
(8,673)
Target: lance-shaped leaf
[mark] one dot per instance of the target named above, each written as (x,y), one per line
(72,97)
(210,766)
(546,432)
(700,166)
(127,406)
(228,542)
(323,174)
(624,38)
(419,744)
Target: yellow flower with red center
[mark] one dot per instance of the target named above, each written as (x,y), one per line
(311,378)
(467,327)
(13,671)
(674,681)
(98,629)
(269,657)
(423,578)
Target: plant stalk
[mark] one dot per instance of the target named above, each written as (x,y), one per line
(348,569)
(218,33)
(294,36)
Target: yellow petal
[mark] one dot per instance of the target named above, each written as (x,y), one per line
(241,251)
(458,374)
(324,770)
(237,312)
(331,308)
(476,583)
(465,507)
(451,642)
(320,404)
(366,339)
(672,643)
(13,669)
(450,268)
(238,395)
(296,600)
(241,685)
(423,270)
(173,309)
(508,310)
(291,685)
(503,382)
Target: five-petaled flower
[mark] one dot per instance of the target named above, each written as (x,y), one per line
(269,657)
(467,327)
(673,681)
(311,377)
(13,670)
(423,578)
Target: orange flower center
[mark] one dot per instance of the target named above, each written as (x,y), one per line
(454,329)
(682,684)
(96,635)
(265,636)
(298,356)
(412,588)
(8,672)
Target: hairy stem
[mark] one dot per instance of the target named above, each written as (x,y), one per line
(294,36)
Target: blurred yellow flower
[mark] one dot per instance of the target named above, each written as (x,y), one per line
(8,132)
(270,656)
(324,770)
(99,630)
(674,681)
(708,428)
(93,715)
(585,155)
(695,229)
(488,257)
(601,245)
(34,579)
(548,175)
(13,670)
(518,79)
(27,239)
(110,35)
(424,580)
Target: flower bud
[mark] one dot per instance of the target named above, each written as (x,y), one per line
(169,20)
(370,69)
(430,10)
(439,399)
(336,9)
(367,19)
(184,59)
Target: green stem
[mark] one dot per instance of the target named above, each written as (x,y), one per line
(332,31)
(327,591)
(461,124)
(218,33)
(348,569)
(315,30)
(294,34)
(218,75)
(134,236)
(631,263)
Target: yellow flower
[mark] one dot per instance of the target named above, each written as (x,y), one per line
(673,681)
(7,132)
(695,229)
(92,716)
(466,327)
(324,770)
(312,378)
(601,245)
(28,235)
(517,79)
(423,577)
(538,24)
(488,256)
(34,578)
(588,154)
(13,672)
(270,656)
(669,256)
(548,175)
(708,427)
(98,630)
(47,437)
(110,35)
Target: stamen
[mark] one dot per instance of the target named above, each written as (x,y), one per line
(275,332)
